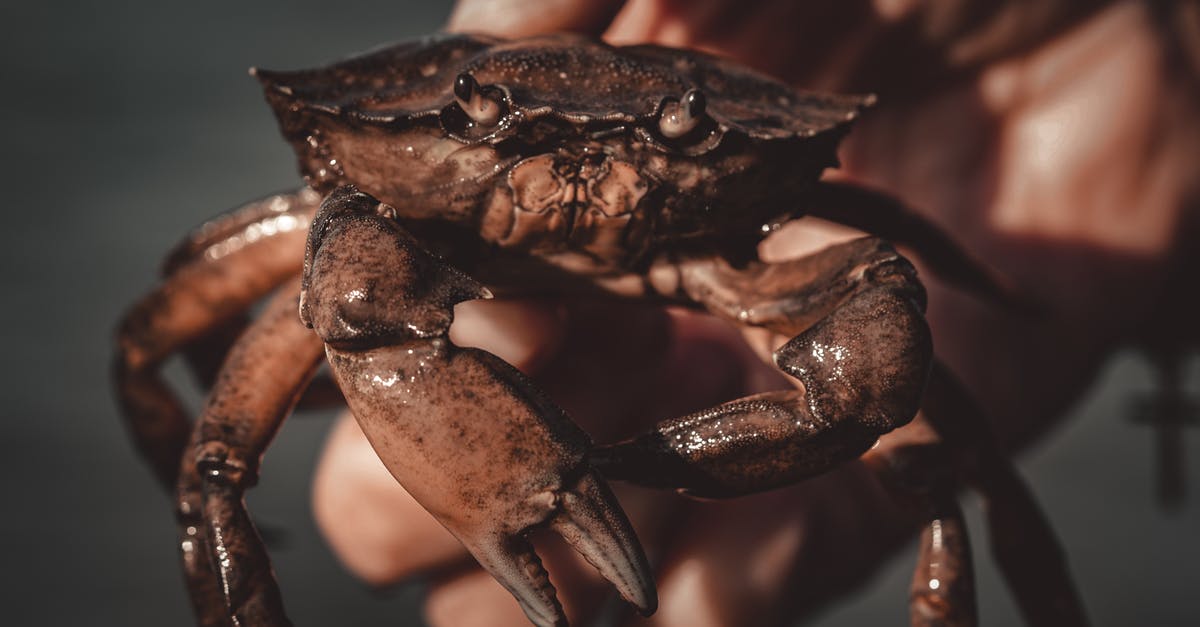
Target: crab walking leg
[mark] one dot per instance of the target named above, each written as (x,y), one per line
(943,585)
(225,233)
(259,384)
(195,552)
(920,474)
(206,355)
(860,347)
(884,215)
(196,299)
(862,352)
(1022,541)
(244,225)
(469,436)
(230,231)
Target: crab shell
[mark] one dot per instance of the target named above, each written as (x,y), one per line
(579,124)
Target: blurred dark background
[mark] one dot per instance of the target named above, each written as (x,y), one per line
(127,123)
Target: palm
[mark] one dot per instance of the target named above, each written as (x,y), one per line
(1060,158)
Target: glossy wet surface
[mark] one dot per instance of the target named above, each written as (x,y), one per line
(126,126)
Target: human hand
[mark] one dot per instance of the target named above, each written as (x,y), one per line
(1061,151)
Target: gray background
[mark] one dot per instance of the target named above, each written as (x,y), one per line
(126,123)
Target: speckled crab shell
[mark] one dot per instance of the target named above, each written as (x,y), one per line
(570,78)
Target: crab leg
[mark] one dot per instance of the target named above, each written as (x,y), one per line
(242,226)
(884,215)
(262,219)
(229,231)
(755,443)
(469,436)
(943,584)
(1022,541)
(206,354)
(918,471)
(862,352)
(859,346)
(195,554)
(259,384)
(202,294)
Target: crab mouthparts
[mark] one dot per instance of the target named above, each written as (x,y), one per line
(576,183)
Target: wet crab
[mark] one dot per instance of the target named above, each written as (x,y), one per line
(560,164)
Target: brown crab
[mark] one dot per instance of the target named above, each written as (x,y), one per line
(560,164)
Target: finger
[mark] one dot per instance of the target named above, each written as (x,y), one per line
(375,528)
(471,598)
(624,366)
(521,18)
(728,562)
(770,558)
(765,34)
(525,333)
(607,364)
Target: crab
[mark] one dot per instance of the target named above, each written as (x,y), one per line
(459,166)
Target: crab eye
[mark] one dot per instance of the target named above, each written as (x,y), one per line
(680,118)
(478,106)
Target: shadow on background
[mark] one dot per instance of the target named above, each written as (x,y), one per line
(127,124)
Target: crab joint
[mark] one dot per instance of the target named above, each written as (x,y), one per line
(480,108)
(680,118)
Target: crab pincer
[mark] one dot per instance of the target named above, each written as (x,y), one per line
(435,411)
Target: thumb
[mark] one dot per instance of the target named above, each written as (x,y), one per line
(520,18)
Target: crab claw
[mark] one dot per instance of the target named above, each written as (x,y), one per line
(588,518)
(470,437)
